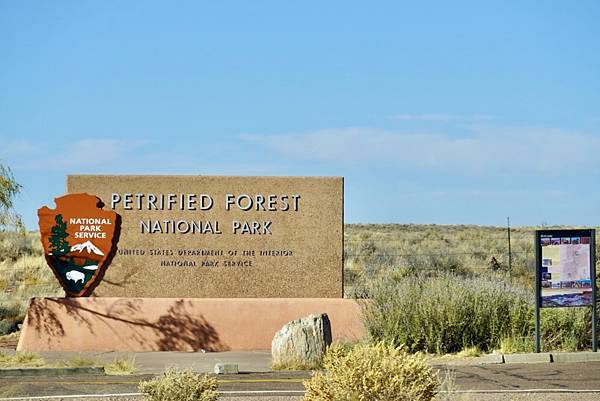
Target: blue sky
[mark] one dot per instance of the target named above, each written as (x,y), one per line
(434,112)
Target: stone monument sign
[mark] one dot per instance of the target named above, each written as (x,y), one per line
(221,237)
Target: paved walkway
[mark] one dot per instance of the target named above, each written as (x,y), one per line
(158,362)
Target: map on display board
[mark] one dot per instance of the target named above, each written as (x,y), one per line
(566,269)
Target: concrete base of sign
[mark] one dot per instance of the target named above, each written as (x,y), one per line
(175,324)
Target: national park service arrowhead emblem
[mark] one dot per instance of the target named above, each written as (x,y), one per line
(79,240)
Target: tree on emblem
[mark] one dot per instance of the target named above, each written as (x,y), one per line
(58,240)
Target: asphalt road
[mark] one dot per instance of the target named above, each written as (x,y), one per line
(518,382)
(276,383)
(551,376)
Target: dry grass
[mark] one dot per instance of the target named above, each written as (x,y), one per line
(79,362)
(23,274)
(10,340)
(295,366)
(372,372)
(121,366)
(25,359)
(370,250)
(470,352)
(180,385)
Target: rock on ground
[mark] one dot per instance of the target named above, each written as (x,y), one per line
(301,344)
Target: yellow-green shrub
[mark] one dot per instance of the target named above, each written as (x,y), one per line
(23,359)
(180,385)
(450,313)
(372,372)
(121,366)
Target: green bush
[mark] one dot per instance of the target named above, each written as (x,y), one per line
(7,327)
(180,385)
(564,329)
(372,372)
(9,188)
(450,313)
(10,316)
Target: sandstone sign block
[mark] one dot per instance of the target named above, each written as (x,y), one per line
(221,237)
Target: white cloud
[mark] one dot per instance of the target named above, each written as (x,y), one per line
(481,150)
(445,118)
(87,153)
(512,149)
(81,154)
(124,156)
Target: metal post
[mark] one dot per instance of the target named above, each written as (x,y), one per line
(538,340)
(593,268)
(538,334)
(509,251)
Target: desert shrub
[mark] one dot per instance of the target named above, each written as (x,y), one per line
(9,310)
(446,313)
(15,244)
(121,366)
(564,329)
(180,385)
(80,361)
(431,249)
(11,313)
(372,372)
(470,352)
(23,274)
(434,264)
(513,345)
(9,188)
(451,313)
(21,360)
(7,327)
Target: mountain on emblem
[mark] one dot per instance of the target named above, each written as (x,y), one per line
(88,246)
(79,240)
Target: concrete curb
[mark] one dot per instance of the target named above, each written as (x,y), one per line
(566,357)
(546,357)
(85,371)
(528,358)
(491,359)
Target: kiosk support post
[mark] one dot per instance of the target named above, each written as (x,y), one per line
(538,295)
(594,307)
